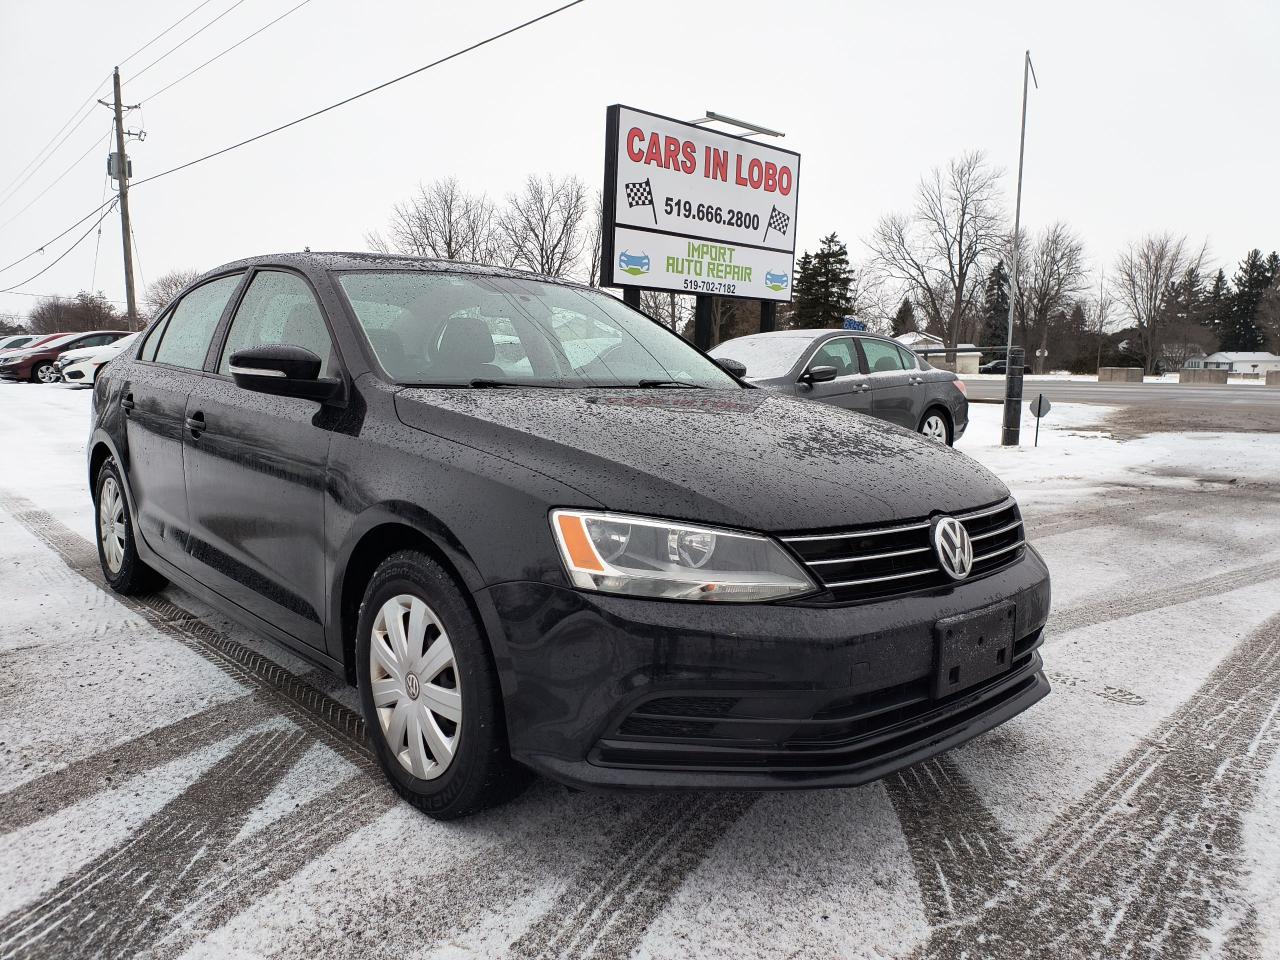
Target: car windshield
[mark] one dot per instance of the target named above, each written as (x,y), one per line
(445,329)
(765,357)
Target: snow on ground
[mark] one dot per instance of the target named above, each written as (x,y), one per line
(1061,375)
(162,797)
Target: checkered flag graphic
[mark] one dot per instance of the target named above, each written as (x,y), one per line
(641,195)
(778,221)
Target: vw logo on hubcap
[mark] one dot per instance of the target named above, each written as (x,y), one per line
(954,548)
(411,686)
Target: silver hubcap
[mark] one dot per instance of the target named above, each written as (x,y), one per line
(935,428)
(47,374)
(415,686)
(111,524)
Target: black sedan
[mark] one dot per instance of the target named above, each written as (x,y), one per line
(856,371)
(540,531)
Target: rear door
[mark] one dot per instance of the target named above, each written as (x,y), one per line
(154,399)
(256,467)
(851,388)
(892,384)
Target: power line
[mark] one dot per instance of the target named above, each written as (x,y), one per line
(53,296)
(56,180)
(186,16)
(74,113)
(183,43)
(59,258)
(363,93)
(219,56)
(18,183)
(40,249)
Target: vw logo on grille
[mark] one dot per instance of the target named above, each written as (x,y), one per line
(954,548)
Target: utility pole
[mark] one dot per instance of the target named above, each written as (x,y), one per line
(1013,384)
(125,231)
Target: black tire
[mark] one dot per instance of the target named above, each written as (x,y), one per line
(44,367)
(131,576)
(944,417)
(480,772)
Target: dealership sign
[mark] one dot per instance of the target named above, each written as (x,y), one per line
(695,211)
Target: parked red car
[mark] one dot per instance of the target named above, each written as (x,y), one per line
(37,363)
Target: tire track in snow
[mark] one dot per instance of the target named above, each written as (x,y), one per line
(117,904)
(1103,608)
(48,794)
(329,721)
(1150,858)
(612,900)
(960,852)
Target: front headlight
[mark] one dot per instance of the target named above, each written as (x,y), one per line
(642,557)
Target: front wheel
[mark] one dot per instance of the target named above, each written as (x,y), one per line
(936,426)
(45,372)
(430,692)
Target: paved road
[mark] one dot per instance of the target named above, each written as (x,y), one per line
(1252,398)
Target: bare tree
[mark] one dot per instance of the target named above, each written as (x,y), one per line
(84,311)
(673,309)
(1099,314)
(1144,272)
(595,232)
(162,290)
(937,250)
(1051,273)
(441,220)
(542,227)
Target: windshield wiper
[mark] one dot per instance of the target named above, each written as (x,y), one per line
(670,383)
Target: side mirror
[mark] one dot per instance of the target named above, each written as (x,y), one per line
(283,370)
(818,374)
(735,367)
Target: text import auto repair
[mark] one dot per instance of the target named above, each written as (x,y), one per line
(692,209)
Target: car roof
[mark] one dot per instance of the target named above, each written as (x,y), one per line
(309,260)
(811,334)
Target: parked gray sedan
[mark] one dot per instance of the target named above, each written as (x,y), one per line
(857,371)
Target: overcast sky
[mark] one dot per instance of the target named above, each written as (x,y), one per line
(1150,116)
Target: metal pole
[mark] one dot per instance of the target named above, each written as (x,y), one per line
(702,322)
(1039,406)
(1012,397)
(1012,422)
(768,315)
(125,230)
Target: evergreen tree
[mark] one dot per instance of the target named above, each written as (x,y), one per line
(823,286)
(904,321)
(995,308)
(1250,285)
(1217,304)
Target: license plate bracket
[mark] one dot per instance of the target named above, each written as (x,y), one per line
(973,647)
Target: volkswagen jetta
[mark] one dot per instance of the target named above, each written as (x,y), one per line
(592,553)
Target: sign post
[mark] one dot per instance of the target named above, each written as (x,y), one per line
(692,210)
(1039,407)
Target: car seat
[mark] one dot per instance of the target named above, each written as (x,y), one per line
(465,350)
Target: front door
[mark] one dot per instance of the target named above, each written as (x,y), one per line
(154,399)
(851,388)
(892,385)
(256,468)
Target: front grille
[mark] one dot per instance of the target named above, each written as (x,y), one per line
(882,562)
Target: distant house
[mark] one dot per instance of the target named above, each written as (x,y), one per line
(1253,363)
(965,362)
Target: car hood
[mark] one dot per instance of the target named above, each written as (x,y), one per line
(741,458)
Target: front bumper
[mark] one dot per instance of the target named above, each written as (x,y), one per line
(607,691)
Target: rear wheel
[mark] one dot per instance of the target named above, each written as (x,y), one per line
(45,372)
(430,692)
(936,426)
(122,568)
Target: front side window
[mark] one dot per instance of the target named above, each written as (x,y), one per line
(839,353)
(442,329)
(278,308)
(882,357)
(184,342)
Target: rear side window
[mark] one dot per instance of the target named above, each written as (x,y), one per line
(838,353)
(910,361)
(882,357)
(184,342)
(277,308)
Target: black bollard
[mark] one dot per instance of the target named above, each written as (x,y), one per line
(1012,398)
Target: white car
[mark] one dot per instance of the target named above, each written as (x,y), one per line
(81,366)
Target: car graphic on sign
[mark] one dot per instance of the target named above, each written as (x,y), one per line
(635,264)
(776,281)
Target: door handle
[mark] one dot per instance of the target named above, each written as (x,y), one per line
(196,424)
(126,402)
